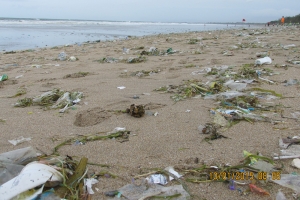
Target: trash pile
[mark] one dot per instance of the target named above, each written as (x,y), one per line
(27,175)
(54,99)
(191,88)
(246,177)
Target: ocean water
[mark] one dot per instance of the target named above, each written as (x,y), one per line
(22,34)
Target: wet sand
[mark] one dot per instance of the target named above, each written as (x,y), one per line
(172,137)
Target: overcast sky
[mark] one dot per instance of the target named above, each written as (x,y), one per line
(153,10)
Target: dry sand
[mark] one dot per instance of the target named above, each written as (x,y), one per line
(172,137)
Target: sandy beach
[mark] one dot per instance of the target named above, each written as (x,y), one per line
(170,137)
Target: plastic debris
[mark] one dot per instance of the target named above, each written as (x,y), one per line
(265,60)
(290,181)
(19,140)
(280,195)
(258,190)
(289,46)
(202,71)
(19,76)
(225,95)
(235,85)
(3,77)
(62,56)
(172,171)
(157,179)
(296,163)
(73,58)
(220,120)
(88,182)
(33,175)
(131,191)
(121,87)
(232,185)
(12,162)
(125,50)
(53,99)
(295,115)
(291,82)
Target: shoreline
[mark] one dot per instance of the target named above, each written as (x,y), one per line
(171,137)
(30,35)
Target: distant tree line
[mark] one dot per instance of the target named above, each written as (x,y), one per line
(295,19)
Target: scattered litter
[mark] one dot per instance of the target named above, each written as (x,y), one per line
(136,59)
(220,120)
(232,184)
(258,190)
(131,191)
(172,171)
(295,115)
(225,95)
(121,87)
(289,46)
(125,50)
(291,82)
(265,60)
(202,71)
(228,53)
(62,56)
(280,196)
(54,99)
(32,175)
(88,182)
(108,60)
(157,179)
(19,76)
(73,58)
(3,77)
(235,85)
(296,163)
(262,54)
(290,181)
(295,62)
(19,140)
(13,162)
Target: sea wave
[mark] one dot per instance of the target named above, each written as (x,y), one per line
(26,21)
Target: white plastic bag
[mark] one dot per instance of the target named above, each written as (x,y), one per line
(265,60)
